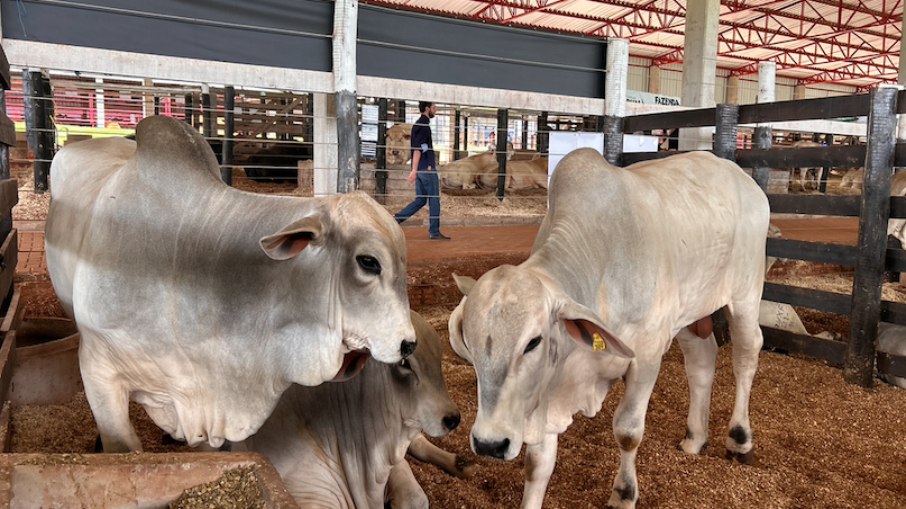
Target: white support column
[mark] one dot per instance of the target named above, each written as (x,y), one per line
(767,82)
(616,80)
(699,67)
(615,83)
(344,74)
(325,139)
(799,92)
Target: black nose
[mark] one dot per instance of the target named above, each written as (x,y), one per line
(451,421)
(407,347)
(496,449)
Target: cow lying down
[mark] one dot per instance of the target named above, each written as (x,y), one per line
(204,303)
(342,445)
(625,260)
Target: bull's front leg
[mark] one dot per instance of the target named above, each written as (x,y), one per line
(628,428)
(423,450)
(107,397)
(540,460)
(700,356)
(403,490)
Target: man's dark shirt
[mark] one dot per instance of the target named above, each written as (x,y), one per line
(421,141)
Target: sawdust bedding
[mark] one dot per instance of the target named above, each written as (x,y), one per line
(820,443)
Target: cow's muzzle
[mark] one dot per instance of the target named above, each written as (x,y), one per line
(407,348)
(451,421)
(494,448)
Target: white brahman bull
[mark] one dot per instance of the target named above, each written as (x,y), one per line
(399,144)
(892,340)
(522,174)
(805,179)
(897,227)
(343,445)
(204,303)
(614,275)
(463,173)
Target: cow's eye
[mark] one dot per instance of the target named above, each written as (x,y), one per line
(369,264)
(405,364)
(533,344)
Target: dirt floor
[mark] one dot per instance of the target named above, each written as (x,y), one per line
(820,443)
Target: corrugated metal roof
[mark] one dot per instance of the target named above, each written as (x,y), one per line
(848,42)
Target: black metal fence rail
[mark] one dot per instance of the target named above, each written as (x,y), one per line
(870,258)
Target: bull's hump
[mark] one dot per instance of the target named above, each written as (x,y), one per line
(167,145)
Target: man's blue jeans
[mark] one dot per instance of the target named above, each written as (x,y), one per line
(427,190)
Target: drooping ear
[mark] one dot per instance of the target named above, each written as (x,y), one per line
(455,328)
(464,283)
(585,327)
(293,238)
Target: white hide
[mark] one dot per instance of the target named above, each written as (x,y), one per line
(626,259)
(204,303)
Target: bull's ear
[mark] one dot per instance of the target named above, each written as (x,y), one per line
(464,283)
(585,327)
(455,328)
(292,239)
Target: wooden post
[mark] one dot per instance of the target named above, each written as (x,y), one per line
(456,152)
(543,136)
(502,121)
(208,103)
(875,211)
(226,166)
(613,139)
(380,171)
(189,114)
(825,171)
(763,136)
(524,132)
(156,105)
(465,135)
(39,124)
(726,125)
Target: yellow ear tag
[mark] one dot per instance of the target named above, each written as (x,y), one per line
(598,343)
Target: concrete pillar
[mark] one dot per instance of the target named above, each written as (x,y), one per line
(733,90)
(767,82)
(616,83)
(699,67)
(325,149)
(617,77)
(799,92)
(654,79)
(345,29)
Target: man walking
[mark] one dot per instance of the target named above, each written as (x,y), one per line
(424,173)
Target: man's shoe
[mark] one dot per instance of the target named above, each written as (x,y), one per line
(439,236)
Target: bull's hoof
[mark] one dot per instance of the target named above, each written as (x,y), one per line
(690,447)
(623,498)
(465,469)
(746,458)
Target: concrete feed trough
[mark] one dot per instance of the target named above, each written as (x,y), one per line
(137,480)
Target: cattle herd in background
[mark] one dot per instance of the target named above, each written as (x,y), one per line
(223,313)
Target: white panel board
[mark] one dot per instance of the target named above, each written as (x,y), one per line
(561,144)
